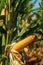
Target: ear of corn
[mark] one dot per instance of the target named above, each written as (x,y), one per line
(21,44)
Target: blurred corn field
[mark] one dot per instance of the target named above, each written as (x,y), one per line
(19,19)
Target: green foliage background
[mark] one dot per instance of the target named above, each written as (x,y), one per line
(21,21)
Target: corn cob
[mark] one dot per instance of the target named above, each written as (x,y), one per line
(23,43)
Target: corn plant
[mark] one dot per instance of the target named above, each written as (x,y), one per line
(17,22)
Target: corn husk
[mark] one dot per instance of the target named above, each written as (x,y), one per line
(14,60)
